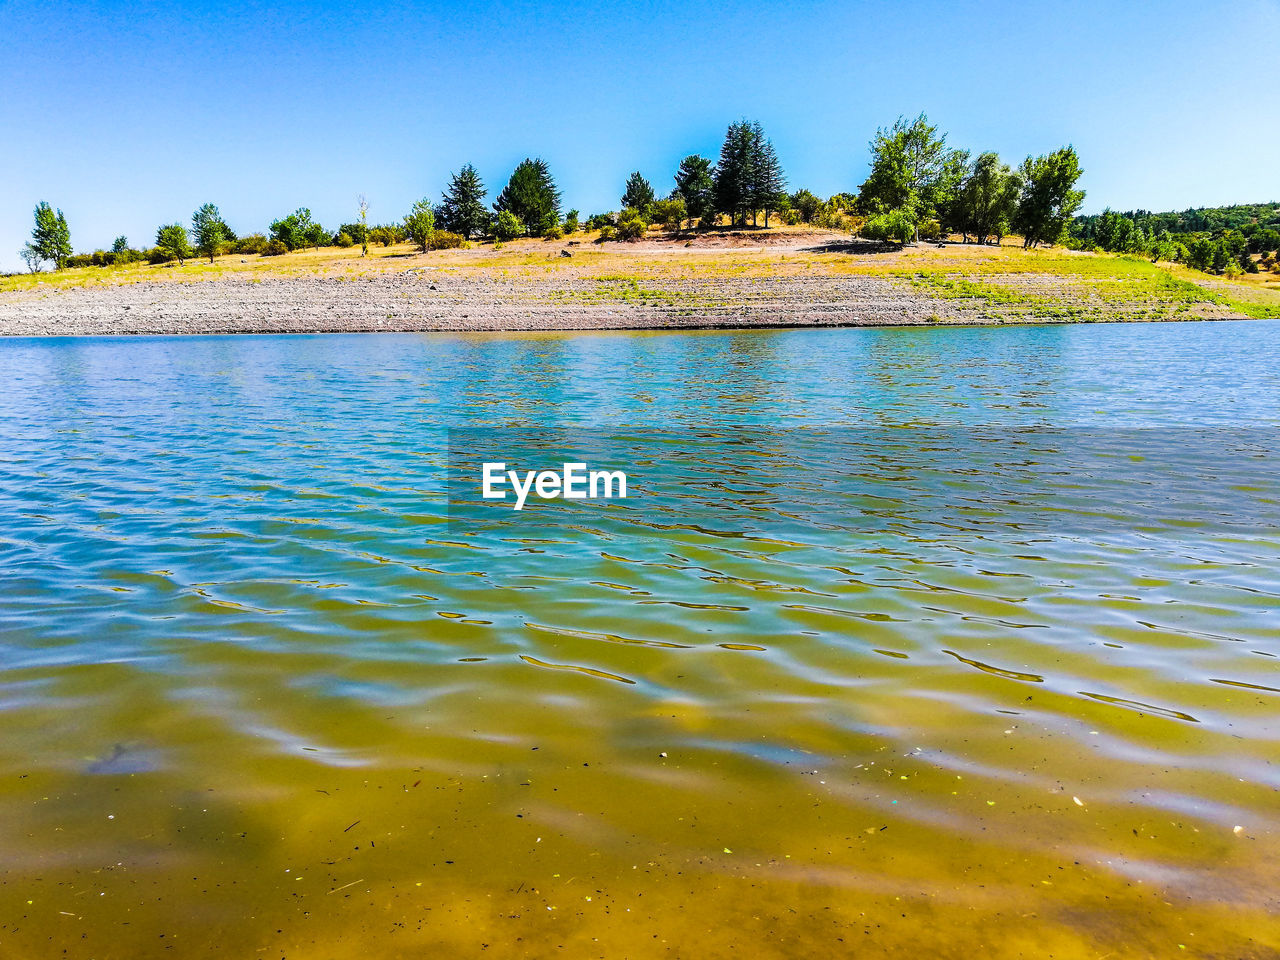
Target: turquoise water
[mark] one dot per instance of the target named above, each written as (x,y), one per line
(928,639)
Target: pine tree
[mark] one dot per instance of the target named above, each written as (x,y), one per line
(768,183)
(531,196)
(464,210)
(735,173)
(638,195)
(696,187)
(51,237)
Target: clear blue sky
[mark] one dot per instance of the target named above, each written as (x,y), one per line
(128,115)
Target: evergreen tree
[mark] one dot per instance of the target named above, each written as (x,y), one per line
(51,237)
(1048,197)
(120,245)
(638,195)
(209,231)
(768,185)
(464,210)
(171,239)
(735,174)
(531,196)
(695,187)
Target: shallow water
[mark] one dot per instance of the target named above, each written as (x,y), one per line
(950,640)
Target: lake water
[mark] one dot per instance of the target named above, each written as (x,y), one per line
(949,642)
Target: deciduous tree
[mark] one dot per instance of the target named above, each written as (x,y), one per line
(1048,197)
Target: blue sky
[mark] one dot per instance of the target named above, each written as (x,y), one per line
(129,115)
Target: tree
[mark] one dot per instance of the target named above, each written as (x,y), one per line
(463,210)
(31,257)
(638,195)
(420,224)
(507,226)
(171,240)
(670,212)
(297,230)
(695,186)
(120,245)
(768,185)
(51,237)
(735,174)
(1048,197)
(806,204)
(987,197)
(531,197)
(364,225)
(911,171)
(208,230)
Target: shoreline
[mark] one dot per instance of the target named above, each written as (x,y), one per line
(810,280)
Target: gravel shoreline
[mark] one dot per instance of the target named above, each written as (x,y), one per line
(415,301)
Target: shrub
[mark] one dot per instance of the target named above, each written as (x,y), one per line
(930,230)
(571,223)
(554,233)
(709,221)
(343,239)
(355,231)
(894,225)
(606,233)
(631,228)
(80,260)
(670,213)
(274,248)
(446,240)
(156,256)
(508,226)
(253,243)
(598,221)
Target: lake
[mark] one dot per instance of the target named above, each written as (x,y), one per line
(952,641)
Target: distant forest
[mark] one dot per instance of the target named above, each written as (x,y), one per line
(1212,239)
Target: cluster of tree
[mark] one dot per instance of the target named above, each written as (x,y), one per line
(1227,242)
(745,183)
(50,240)
(918,185)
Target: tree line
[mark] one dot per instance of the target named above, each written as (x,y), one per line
(919,187)
(1222,240)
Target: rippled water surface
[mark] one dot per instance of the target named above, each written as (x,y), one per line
(950,642)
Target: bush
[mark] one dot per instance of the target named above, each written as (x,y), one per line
(669,213)
(709,221)
(598,221)
(632,228)
(571,223)
(895,225)
(355,231)
(446,240)
(253,243)
(930,230)
(343,240)
(156,256)
(274,248)
(606,233)
(554,233)
(80,260)
(508,226)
